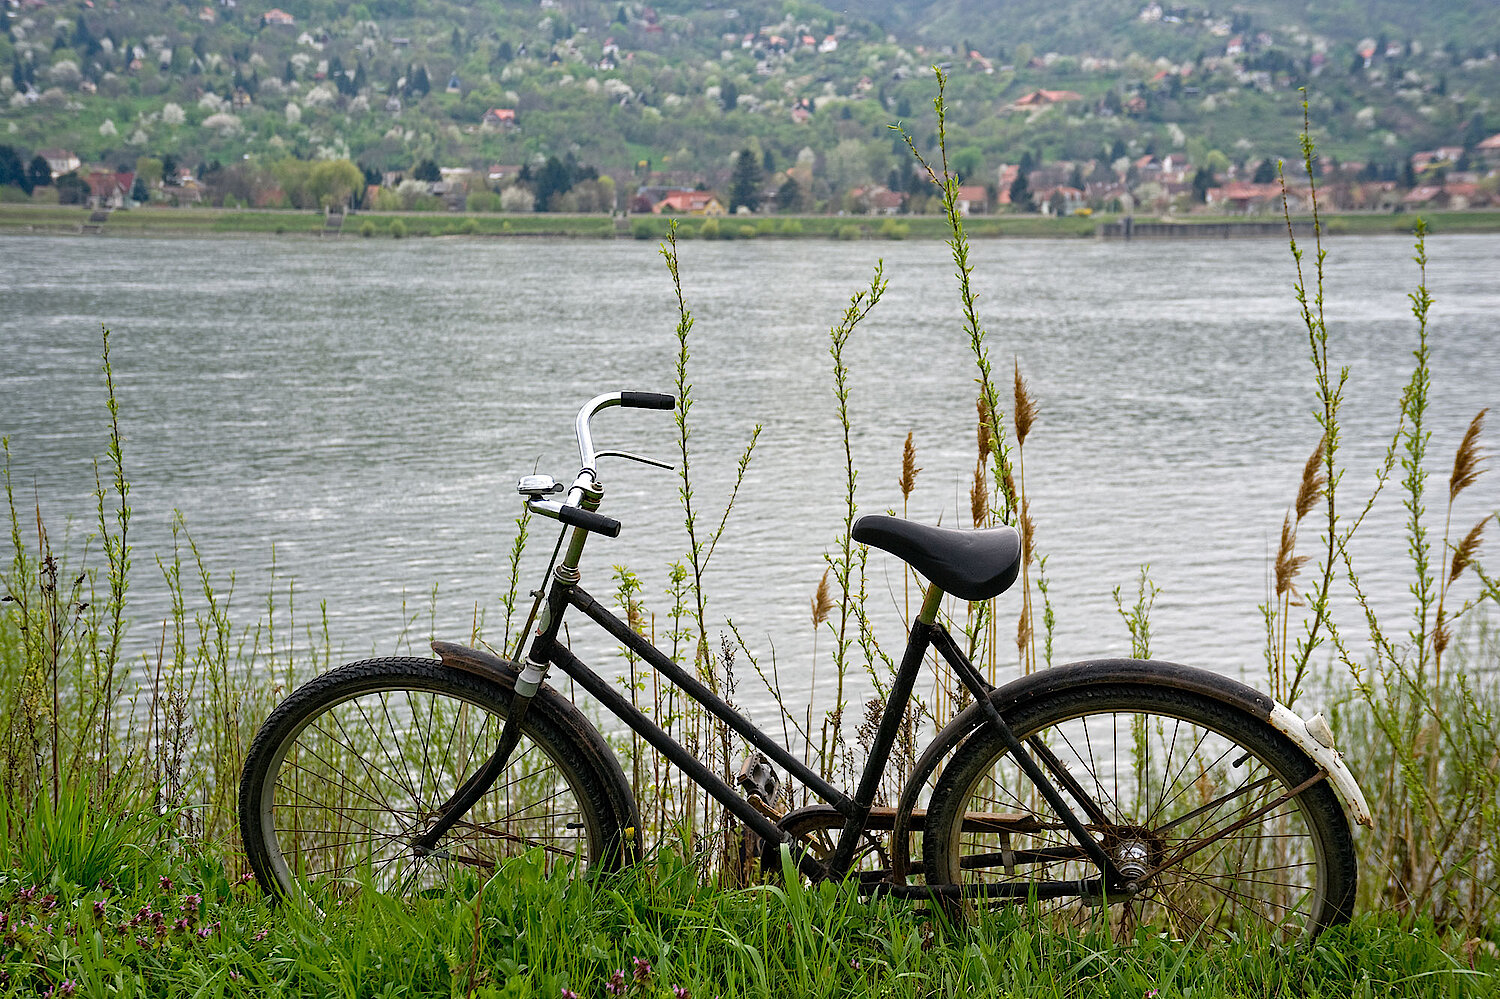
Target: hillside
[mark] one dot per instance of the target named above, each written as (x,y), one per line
(671,92)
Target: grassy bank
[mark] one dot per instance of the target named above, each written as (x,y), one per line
(24,218)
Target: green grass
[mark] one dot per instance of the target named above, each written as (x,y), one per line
(191,930)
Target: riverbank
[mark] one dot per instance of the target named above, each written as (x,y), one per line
(65,220)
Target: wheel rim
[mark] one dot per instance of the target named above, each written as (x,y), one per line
(356,782)
(1200,821)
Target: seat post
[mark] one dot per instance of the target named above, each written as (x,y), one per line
(930,602)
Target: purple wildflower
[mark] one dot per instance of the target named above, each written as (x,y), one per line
(616,984)
(568,994)
(261,936)
(642,970)
(165,883)
(99,907)
(681,992)
(191,902)
(67,988)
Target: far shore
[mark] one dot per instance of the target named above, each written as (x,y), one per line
(18,219)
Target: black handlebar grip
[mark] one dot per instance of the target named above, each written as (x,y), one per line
(647,400)
(577,516)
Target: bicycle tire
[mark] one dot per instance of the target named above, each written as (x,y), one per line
(351,766)
(1193,767)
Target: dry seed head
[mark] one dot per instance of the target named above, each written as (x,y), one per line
(1010,483)
(1027,530)
(1463,555)
(1441,636)
(1023,631)
(1468,459)
(1312,481)
(1287,563)
(822,601)
(1025,408)
(979,497)
(909,468)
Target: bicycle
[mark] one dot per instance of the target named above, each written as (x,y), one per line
(1161,795)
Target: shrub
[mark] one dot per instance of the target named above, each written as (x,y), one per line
(710,229)
(643,229)
(469,227)
(765,227)
(891,229)
(848,232)
(367,228)
(686,232)
(398,229)
(791,227)
(748,232)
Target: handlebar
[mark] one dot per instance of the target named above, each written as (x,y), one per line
(571,511)
(631,400)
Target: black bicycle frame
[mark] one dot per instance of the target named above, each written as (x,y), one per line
(545,649)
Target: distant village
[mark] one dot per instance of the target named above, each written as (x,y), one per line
(222,92)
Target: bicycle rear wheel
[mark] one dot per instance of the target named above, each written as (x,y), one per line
(1189,796)
(355,764)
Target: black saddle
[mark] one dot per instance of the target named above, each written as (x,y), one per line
(971,565)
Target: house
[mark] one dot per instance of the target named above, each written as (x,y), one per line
(972,199)
(503,119)
(500,173)
(455,85)
(110,188)
(1426,195)
(1059,200)
(1488,150)
(278,17)
(1245,198)
(59,161)
(689,203)
(877,200)
(1039,100)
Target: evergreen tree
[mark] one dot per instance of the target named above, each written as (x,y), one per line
(12,171)
(729,95)
(744,189)
(38,173)
(552,182)
(1020,190)
(1202,181)
(1265,173)
(427,170)
(169,169)
(789,195)
(420,85)
(138,191)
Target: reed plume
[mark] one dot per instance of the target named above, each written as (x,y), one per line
(1024,522)
(979,497)
(1468,459)
(1463,555)
(1313,480)
(1287,562)
(909,469)
(822,601)
(1025,407)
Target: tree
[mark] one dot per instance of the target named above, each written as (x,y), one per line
(169,169)
(333,182)
(789,196)
(1020,191)
(12,171)
(968,162)
(552,181)
(38,173)
(1265,173)
(72,189)
(729,95)
(744,189)
(138,191)
(427,170)
(420,85)
(1203,179)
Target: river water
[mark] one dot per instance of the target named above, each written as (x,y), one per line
(363,409)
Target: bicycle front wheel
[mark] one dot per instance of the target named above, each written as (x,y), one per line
(1191,798)
(354,765)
